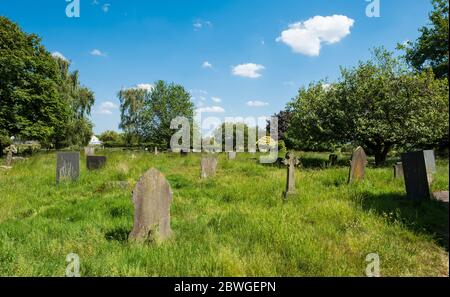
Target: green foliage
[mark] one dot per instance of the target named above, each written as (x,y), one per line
(146,115)
(235,126)
(431,48)
(112,139)
(40,99)
(30,103)
(282,150)
(377,104)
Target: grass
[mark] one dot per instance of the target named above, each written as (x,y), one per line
(235,224)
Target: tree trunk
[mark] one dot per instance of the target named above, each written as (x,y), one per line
(381,154)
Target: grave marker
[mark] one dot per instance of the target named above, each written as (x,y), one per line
(415,174)
(208,166)
(358,165)
(67,166)
(95,162)
(152,197)
(291,161)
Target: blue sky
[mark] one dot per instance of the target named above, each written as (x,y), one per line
(237,57)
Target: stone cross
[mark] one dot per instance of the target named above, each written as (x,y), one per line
(291,161)
(416,177)
(358,165)
(152,197)
(67,166)
(208,166)
(9,151)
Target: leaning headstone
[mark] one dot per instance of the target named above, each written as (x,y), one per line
(67,166)
(415,174)
(152,197)
(95,162)
(290,161)
(332,159)
(9,151)
(231,155)
(358,165)
(398,170)
(89,151)
(209,165)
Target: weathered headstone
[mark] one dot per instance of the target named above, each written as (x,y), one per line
(156,151)
(415,174)
(358,165)
(89,151)
(290,161)
(152,197)
(9,151)
(209,165)
(398,170)
(231,155)
(95,162)
(332,159)
(67,166)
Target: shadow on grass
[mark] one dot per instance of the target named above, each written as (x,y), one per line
(429,217)
(118,234)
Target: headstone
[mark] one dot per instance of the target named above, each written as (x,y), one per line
(231,155)
(95,162)
(156,151)
(290,161)
(209,165)
(415,174)
(184,153)
(67,166)
(9,151)
(430,164)
(332,159)
(89,151)
(441,196)
(398,170)
(358,165)
(152,197)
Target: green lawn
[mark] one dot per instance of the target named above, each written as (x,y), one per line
(235,224)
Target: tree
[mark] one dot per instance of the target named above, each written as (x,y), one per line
(132,103)
(30,104)
(377,104)
(431,48)
(284,121)
(165,103)
(146,115)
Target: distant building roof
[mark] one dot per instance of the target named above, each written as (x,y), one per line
(95,141)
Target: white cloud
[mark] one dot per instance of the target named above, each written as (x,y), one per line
(97,53)
(249,70)
(212,109)
(307,37)
(106,7)
(216,99)
(107,108)
(147,87)
(206,65)
(257,103)
(60,56)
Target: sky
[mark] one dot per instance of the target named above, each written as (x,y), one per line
(237,58)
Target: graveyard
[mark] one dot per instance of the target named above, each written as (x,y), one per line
(224,139)
(234,223)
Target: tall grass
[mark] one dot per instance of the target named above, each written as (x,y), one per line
(235,224)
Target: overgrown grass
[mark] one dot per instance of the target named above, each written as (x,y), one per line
(235,224)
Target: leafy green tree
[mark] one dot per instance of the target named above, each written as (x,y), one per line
(431,48)
(132,102)
(30,103)
(110,136)
(377,104)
